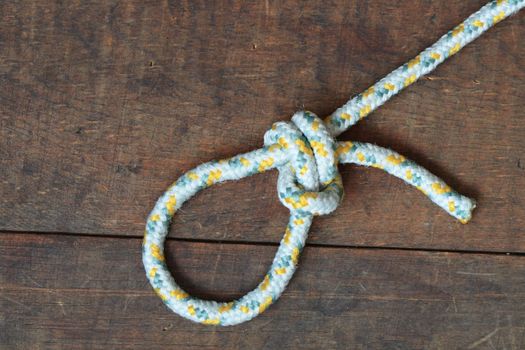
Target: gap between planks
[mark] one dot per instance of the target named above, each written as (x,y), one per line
(272,244)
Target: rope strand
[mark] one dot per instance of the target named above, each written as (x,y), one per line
(448,45)
(306,154)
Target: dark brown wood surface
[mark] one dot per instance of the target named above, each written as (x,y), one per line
(103,104)
(55,288)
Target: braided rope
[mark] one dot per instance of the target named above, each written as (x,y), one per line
(306,155)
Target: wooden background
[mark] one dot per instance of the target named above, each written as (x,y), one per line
(104,103)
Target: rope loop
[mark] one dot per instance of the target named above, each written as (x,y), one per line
(306,155)
(309,183)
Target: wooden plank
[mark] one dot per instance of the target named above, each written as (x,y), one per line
(91,292)
(103,104)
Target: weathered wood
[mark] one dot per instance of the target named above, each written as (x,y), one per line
(83,292)
(103,104)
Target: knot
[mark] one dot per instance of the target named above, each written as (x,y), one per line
(309,183)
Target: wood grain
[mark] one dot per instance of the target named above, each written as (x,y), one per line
(103,104)
(75,292)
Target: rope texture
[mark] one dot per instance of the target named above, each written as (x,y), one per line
(306,155)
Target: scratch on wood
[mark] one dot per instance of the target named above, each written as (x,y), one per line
(484,339)
(474,273)
(61,304)
(16,302)
(455,306)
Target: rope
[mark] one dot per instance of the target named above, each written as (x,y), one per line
(306,155)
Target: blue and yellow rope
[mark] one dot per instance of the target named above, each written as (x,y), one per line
(306,155)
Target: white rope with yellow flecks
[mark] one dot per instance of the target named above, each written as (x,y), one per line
(306,155)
